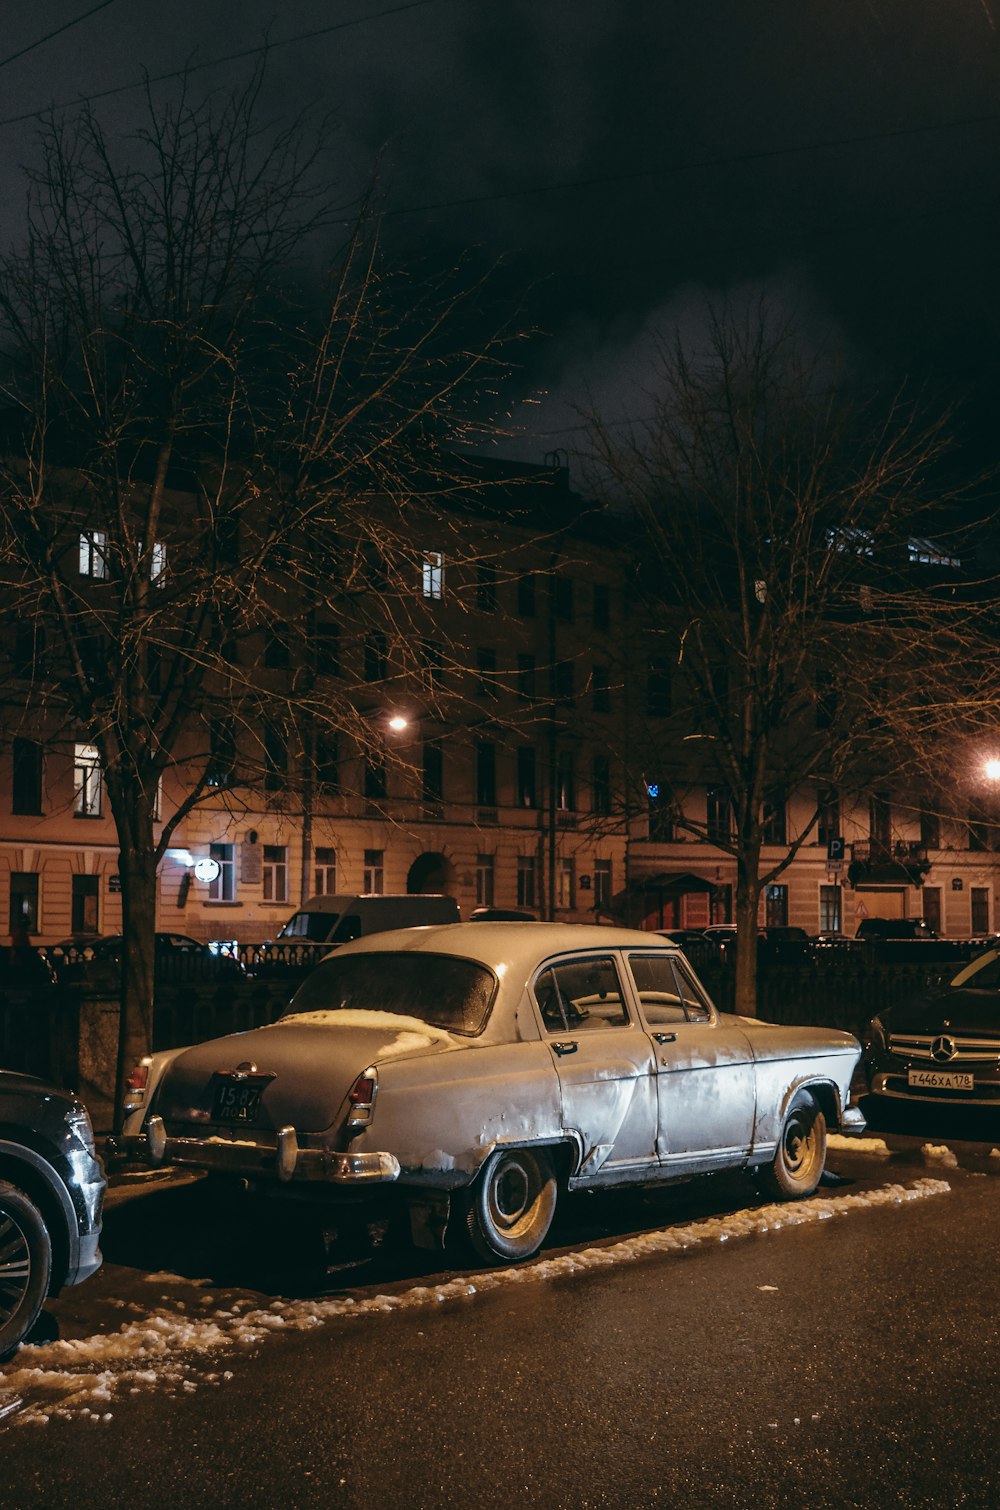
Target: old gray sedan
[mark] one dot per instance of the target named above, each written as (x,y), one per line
(476,1070)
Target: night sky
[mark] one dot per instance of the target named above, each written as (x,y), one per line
(628,159)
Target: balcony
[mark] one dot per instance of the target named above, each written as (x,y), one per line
(876,862)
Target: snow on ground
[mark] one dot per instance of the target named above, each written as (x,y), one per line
(177,1353)
(940,1153)
(842,1144)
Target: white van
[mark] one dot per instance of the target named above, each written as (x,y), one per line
(336,920)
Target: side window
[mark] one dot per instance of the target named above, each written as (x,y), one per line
(695,1002)
(579,995)
(657,988)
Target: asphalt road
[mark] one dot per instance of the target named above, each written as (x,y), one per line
(851,1360)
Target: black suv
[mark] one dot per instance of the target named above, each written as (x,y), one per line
(51,1192)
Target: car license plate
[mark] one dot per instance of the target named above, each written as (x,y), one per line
(940,1080)
(238,1100)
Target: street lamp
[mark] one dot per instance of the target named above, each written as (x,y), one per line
(991,769)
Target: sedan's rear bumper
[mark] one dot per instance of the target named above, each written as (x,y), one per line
(282,1160)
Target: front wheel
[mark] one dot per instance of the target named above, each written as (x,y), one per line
(25,1266)
(800,1155)
(512,1204)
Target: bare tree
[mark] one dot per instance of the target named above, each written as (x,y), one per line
(204,457)
(774,522)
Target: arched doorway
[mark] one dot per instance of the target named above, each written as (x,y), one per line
(430,872)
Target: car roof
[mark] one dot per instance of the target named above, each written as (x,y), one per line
(519,945)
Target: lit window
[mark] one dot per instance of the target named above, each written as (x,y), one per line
(374,874)
(566,881)
(926,553)
(93,560)
(275,873)
(527,870)
(223,888)
(325,871)
(854,541)
(484,880)
(88,786)
(432,574)
(158,562)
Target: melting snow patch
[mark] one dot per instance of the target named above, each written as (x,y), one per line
(178,1354)
(877,1146)
(940,1153)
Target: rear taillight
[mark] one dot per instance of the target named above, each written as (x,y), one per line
(361,1099)
(135,1085)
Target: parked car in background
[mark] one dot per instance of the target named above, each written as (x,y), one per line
(471,1073)
(177,954)
(334,920)
(873,930)
(51,1193)
(942,1046)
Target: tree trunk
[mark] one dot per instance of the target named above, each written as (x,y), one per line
(137,867)
(747,901)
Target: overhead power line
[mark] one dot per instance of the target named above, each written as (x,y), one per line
(66,26)
(229,57)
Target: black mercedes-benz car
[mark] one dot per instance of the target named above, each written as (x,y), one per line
(942,1046)
(51,1194)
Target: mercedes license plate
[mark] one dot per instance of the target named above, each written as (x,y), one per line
(238,1100)
(940,1080)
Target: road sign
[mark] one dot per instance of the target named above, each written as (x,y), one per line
(835,848)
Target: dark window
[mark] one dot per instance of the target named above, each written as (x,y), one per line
(602,606)
(979,834)
(374,656)
(486,667)
(526,595)
(326,649)
(879,823)
(84,904)
(486,588)
(565,782)
(562,681)
(26,796)
(930,830)
(486,773)
(718,813)
(772,819)
(600,796)
(526,676)
(661,823)
(29,645)
(601,690)
(658,698)
(433,774)
(375,776)
(454,994)
(432,664)
(828,824)
(222,755)
(276,653)
(527,795)
(562,598)
(326,761)
(980,909)
(275,759)
(776,906)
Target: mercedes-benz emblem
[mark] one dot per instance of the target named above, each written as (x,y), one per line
(943,1048)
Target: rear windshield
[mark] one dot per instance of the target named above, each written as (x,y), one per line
(454,994)
(315,926)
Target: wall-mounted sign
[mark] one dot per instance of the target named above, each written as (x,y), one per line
(207,870)
(114,883)
(957,883)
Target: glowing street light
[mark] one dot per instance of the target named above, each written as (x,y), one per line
(398,723)
(991,769)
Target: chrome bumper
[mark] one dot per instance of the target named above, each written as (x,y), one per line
(285,1160)
(853,1120)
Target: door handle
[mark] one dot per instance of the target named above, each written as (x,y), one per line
(665,1037)
(565,1046)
